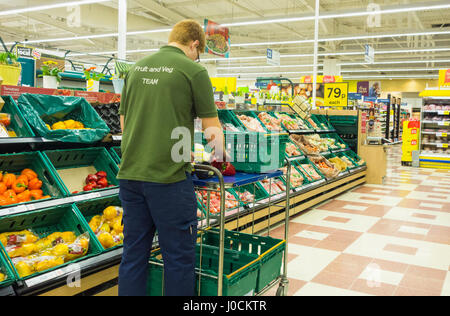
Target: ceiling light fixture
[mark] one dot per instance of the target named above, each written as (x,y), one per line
(49,7)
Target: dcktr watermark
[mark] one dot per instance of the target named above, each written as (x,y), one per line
(240,147)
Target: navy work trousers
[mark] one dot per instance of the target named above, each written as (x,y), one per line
(170,209)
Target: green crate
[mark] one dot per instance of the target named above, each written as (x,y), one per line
(255,189)
(116,153)
(248,156)
(293,157)
(240,272)
(306,161)
(344,154)
(98,157)
(333,155)
(354,157)
(15,163)
(90,208)
(18,122)
(345,124)
(282,124)
(337,139)
(5,268)
(228,116)
(270,251)
(47,221)
(205,207)
(322,119)
(295,165)
(250,114)
(269,192)
(297,117)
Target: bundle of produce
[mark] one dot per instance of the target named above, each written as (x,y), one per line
(288,122)
(214,202)
(305,145)
(296,178)
(310,172)
(68,124)
(245,197)
(274,186)
(328,169)
(229,127)
(312,123)
(349,163)
(108,227)
(272,123)
(30,254)
(292,150)
(96,182)
(19,189)
(339,163)
(316,141)
(252,124)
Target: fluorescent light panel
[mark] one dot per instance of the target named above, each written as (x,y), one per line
(49,7)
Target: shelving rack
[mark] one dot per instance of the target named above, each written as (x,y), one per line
(434,138)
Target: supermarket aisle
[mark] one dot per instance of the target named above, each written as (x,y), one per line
(391,239)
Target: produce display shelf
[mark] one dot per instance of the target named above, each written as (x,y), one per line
(239,179)
(439,123)
(25,140)
(60,277)
(440,134)
(22,208)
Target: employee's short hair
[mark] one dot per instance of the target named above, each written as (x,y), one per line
(187,31)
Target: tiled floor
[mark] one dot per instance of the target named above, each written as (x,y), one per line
(391,239)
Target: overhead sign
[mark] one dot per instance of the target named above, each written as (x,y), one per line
(321,79)
(273,57)
(444,77)
(336,94)
(369,56)
(218,40)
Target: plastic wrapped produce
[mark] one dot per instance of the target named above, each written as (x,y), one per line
(310,172)
(108,227)
(305,145)
(328,169)
(271,123)
(292,150)
(252,124)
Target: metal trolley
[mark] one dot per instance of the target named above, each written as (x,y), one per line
(220,185)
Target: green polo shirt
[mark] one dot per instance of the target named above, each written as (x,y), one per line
(162,92)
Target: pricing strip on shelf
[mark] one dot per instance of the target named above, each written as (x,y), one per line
(444,123)
(443,112)
(441,134)
(442,145)
(13,210)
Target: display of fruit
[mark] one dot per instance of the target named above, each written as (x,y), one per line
(21,188)
(245,197)
(68,124)
(108,227)
(288,122)
(30,254)
(2,277)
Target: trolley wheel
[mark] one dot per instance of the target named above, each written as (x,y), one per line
(282,290)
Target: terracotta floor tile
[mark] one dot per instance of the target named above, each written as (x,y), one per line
(333,279)
(291,257)
(390,265)
(380,289)
(303,241)
(349,270)
(371,209)
(424,216)
(423,284)
(401,249)
(404,291)
(354,260)
(332,245)
(427,273)
(439,234)
(337,219)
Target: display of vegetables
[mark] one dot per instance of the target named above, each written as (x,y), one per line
(288,122)
(307,147)
(226,168)
(292,150)
(21,188)
(310,173)
(274,186)
(296,178)
(108,227)
(31,254)
(95,182)
(328,169)
(68,124)
(252,124)
(339,163)
(230,200)
(270,122)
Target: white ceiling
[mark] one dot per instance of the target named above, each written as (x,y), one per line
(101,18)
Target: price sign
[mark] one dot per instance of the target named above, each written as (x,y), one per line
(336,94)
(444,112)
(441,134)
(442,145)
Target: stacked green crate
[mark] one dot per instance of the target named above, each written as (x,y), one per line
(6,274)
(116,153)
(347,128)
(339,143)
(47,221)
(16,163)
(95,207)
(97,158)
(309,170)
(18,122)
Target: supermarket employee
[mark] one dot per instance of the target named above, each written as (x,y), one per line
(163,92)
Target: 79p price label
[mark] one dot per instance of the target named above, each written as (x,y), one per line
(336,94)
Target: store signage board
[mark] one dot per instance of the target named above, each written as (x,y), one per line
(218,41)
(336,94)
(273,57)
(369,55)
(444,78)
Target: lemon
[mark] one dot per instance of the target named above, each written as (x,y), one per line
(106,240)
(110,213)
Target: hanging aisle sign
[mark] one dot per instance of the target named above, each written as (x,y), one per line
(336,94)
(218,40)
(370,54)
(273,57)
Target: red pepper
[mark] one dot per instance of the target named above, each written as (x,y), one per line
(226,168)
(75,192)
(101,174)
(89,187)
(103,182)
(91,178)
